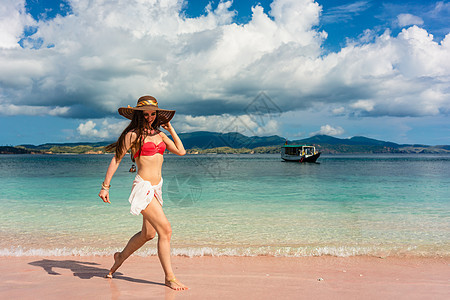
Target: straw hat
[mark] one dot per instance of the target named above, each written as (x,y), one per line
(148,103)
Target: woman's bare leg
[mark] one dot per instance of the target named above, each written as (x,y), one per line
(137,241)
(155,215)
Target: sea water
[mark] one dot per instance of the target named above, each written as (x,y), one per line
(242,205)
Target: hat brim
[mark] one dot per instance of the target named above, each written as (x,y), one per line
(164,115)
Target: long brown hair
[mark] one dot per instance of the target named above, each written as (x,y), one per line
(140,126)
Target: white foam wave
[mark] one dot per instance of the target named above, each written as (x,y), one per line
(343,251)
(19,251)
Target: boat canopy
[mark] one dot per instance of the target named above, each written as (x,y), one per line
(296,146)
(299,150)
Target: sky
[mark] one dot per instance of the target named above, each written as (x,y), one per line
(293,68)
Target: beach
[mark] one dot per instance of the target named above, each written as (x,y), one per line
(324,277)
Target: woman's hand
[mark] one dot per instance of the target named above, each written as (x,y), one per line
(175,146)
(167,126)
(104,194)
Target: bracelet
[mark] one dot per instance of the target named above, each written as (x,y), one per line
(104,189)
(105,186)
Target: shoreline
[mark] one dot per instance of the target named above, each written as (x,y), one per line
(198,252)
(226,277)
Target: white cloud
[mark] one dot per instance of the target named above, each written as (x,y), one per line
(13,20)
(107,129)
(343,13)
(408,19)
(329,130)
(440,7)
(87,129)
(108,53)
(245,124)
(11,110)
(338,110)
(366,105)
(204,123)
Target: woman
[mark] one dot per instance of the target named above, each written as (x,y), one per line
(147,146)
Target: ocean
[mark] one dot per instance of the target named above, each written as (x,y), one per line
(235,205)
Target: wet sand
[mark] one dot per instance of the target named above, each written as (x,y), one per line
(326,277)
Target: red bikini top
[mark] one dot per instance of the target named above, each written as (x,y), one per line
(150,149)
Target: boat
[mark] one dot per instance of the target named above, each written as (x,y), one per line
(299,153)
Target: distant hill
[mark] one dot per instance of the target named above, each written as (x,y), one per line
(51,145)
(207,140)
(234,142)
(356,140)
(13,150)
(360,144)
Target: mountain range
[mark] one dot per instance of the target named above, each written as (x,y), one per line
(201,140)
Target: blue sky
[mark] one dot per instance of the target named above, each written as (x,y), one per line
(374,68)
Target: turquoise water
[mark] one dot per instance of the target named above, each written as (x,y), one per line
(232,205)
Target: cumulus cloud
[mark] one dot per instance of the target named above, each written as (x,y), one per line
(408,19)
(107,129)
(13,21)
(366,105)
(245,124)
(329,130)
(88,129)
(108,53)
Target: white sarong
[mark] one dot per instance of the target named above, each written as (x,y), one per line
(142,193)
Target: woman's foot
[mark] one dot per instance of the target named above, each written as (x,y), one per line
(175,284)
(117,263)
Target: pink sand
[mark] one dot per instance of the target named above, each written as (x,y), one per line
(227,278)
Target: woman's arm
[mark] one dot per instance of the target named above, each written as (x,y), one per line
(113,165)
(175,146)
